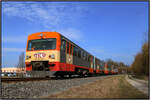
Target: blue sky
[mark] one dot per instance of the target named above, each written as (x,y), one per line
(106,29)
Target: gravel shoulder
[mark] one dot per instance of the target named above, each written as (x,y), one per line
(38,89)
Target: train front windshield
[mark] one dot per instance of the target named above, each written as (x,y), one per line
(42,44)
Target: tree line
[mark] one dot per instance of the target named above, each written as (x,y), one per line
(122,68)
(140,65)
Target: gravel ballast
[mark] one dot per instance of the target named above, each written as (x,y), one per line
(37,89)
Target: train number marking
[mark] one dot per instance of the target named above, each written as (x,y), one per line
(39,55)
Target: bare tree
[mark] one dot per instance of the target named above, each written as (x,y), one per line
(145,37)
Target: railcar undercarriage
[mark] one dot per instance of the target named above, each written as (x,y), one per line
(40,66)
(40,69)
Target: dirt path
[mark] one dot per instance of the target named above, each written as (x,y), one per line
(141,85)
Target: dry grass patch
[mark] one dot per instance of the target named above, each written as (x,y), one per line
(142,77)
(110,87)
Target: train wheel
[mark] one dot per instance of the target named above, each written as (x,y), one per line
(47,76)
(90,75)
(56,76)
(70,75)
(62,76)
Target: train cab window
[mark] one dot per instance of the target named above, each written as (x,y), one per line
(42,44)
(63,45)
(67,47)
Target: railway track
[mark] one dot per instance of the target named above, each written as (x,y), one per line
(22,79)
(8,80)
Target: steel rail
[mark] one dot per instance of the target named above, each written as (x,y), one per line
(22,79)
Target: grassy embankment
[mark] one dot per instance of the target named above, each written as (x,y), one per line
(110,87)
(141,77)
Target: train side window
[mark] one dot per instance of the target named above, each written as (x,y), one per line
(74,51)
(71,49)
(89,58)
(84,55)
(63,45)
(96,62)
(79,53)
(67,47)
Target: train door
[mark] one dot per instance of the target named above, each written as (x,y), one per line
(63,51)
(102,67)
(94,63)
(112,69)
(69,56)
(98,64)
(91,61)
(106,68)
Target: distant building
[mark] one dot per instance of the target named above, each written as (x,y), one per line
(13,70)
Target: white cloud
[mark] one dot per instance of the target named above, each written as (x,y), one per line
(13,49)
(53,16)
(14,39)
(50,14)
(71,33)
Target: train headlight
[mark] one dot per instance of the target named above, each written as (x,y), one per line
(52,56)
(27,57)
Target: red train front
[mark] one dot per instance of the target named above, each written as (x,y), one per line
(42,53)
